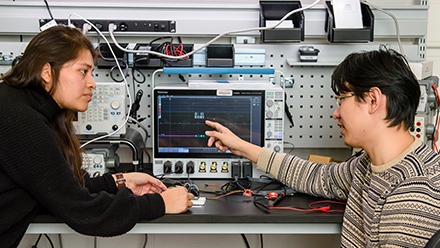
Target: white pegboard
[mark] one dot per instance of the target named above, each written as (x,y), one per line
(310,100)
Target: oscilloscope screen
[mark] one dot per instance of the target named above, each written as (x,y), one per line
(180,120)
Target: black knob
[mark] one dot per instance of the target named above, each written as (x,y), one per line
(167,167)
(190,167)
(178,167)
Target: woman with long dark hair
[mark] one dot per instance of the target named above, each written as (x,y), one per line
(40,155)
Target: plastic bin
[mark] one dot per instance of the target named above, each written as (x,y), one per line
(350,35)
(220,55)
(274,11)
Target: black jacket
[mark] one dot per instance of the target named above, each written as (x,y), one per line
(34,173)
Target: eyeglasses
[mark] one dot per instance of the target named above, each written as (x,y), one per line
(339,98)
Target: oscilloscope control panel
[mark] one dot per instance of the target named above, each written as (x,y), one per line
(272,130)
(94,164)
(106,110)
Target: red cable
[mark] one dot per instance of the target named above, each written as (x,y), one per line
(438,120)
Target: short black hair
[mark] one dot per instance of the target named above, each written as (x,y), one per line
(390,72)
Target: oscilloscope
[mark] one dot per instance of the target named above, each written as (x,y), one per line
(180,149)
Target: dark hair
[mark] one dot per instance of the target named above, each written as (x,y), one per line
(56,46)
(389,71)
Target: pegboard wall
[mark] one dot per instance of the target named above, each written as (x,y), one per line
(310,99)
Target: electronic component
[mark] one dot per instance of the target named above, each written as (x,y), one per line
(94,164)
(106,111)
(7,59)
(308,54)
(418,130)
(122,25)
(179,141)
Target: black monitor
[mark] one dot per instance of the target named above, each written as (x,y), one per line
(180,114)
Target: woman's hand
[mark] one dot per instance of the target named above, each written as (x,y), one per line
(224,140)
(142,183)
(177,200)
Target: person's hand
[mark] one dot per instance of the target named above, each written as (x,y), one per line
(177,200)
(142,183)
(224,140)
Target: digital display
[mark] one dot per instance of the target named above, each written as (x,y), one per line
(180,114)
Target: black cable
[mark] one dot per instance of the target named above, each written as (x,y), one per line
(122,61)
(286,109)
(136,105)
(233,185)
(50,241)
(38,240)
(16,60)
(291,149)
(261,240)
(146,153)
(245,240)
(145,241)
(48,9)
(133,70)
(116,67)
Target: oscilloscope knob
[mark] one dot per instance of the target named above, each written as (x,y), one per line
(115,104)
(277,148)
(269,103)
(269,134)
(269,114)
(97,160)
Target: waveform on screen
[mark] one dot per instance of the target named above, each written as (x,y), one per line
(183,135)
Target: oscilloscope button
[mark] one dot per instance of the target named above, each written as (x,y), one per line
(115,104)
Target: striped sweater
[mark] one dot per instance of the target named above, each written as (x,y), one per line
(392,205)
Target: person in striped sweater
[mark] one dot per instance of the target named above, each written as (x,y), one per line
(392,187)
